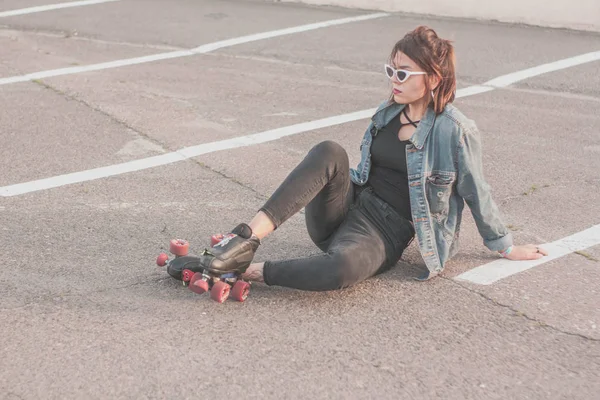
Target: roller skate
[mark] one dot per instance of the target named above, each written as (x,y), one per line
(218,269)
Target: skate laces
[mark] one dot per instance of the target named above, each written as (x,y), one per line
(226,239)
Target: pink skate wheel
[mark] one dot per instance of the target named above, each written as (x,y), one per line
(240,291)
(197,284)
(220,291)
(186,275)
(214,239)
(179,247)
(161,260)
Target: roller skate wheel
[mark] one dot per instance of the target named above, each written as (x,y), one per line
(179,247)
(220,291)
(214,239)
(240,291)
(197,284)
(186,275)
(161,260)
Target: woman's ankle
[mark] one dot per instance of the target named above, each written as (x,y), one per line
(261,225)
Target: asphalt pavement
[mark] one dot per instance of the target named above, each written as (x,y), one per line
(86,314)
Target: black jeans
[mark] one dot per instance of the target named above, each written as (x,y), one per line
(360,234)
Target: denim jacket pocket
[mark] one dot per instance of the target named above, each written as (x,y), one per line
(439,189)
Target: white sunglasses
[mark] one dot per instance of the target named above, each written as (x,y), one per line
(401,74)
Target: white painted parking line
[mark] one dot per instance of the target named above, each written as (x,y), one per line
(186,53)
(473,90)
(242,141)
(506,80)
(502,268)
(50,7)
(509,79)
(179,155)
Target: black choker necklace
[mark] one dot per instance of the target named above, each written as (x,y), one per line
(410,121)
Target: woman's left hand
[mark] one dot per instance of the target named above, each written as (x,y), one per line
(526,252)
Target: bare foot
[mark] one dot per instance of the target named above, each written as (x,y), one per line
(254,272)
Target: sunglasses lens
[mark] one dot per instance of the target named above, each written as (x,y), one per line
(402,76)
(389,72)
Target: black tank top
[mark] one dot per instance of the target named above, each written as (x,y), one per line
(389,175)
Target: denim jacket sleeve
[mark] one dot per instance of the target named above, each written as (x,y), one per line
(356,173)
(473,188)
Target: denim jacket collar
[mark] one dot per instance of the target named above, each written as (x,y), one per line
(391,110)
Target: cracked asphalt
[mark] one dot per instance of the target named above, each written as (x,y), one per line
(85,312)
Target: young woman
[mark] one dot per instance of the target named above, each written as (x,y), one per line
(420,162)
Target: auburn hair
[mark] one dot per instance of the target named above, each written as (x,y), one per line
(435,56)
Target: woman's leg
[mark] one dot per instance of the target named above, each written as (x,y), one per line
(320,183)
(322,178)
(356,252)
(370,240)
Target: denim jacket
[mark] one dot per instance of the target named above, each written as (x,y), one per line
(444,171)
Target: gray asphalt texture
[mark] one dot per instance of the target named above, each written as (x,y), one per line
(85,313)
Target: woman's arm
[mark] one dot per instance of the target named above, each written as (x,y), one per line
(473,188)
